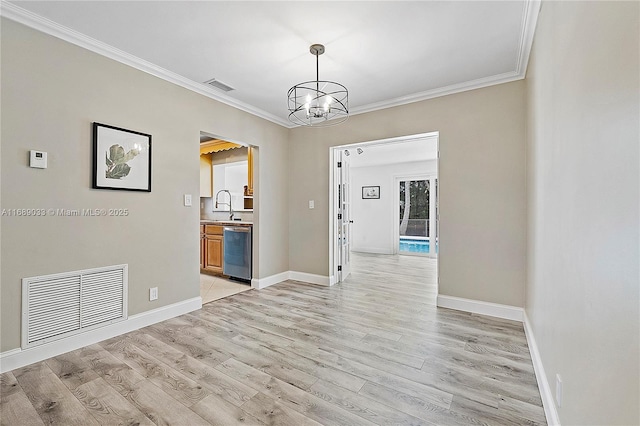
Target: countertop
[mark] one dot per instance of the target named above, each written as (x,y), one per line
(225,222)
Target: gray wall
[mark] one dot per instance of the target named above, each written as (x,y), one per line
(482,187)
(583,173)
(51,93)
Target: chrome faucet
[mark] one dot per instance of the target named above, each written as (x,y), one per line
(226,204)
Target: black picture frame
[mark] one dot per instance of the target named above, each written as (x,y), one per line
(121,159)
(370,192)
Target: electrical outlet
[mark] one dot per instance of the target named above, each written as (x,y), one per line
(312,204)
(559,390)
(153,293)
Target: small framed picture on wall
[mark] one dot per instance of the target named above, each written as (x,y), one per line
(121,159)
(370,192)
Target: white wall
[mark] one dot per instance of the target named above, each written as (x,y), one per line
(373,220)
(583,278)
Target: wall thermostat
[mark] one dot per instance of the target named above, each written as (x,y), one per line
(38,159)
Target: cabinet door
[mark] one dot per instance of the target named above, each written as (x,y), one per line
(250,172)
(214,252)
(202,250)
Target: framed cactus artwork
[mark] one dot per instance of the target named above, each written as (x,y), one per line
(121,159)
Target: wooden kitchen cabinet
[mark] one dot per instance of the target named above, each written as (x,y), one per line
(212,249)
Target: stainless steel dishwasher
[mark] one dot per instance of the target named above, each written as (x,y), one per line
(237,252)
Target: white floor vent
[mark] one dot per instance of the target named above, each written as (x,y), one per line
(60,305)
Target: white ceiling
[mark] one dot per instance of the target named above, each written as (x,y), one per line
(386,53)
(392,152)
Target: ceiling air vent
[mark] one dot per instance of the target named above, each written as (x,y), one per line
(219,85)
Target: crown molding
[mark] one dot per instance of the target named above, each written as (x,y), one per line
(37,22)
(440,91)
(529,21)
(530,13)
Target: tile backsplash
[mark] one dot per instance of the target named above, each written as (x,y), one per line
(206,212)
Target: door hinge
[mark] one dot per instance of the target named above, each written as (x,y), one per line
(339,163)
(339,216)
(339,268)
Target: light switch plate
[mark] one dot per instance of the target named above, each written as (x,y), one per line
(187,200)
(37,159)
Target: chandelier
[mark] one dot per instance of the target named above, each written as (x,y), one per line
(320,102)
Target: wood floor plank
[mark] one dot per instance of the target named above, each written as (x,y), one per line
(218,411)
(522,409)
(115,372)
(275,413)
(277,369)
(213,380)
(107,406)
(51,399)
(8,385)
(15,407)
(291,396)
(180,387)
(369,409)
(72,370)
(489,415)
(376,375)
(416,406)
(314,368)
(159,407)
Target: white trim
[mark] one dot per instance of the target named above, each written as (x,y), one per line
(479,307)
(260,283)
(47,26)
(529,21)
(372,250)
(550,410)
(37,22)
(310,278)
(16,358)
(439,92)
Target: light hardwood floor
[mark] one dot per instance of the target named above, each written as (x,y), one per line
(372,350)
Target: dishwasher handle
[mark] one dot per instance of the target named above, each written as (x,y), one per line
(239,229)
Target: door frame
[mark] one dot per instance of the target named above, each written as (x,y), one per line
(333,178)
(255,153)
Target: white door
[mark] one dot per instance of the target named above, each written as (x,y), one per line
(343,215)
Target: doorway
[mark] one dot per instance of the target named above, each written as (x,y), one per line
(226,204)
(364,197)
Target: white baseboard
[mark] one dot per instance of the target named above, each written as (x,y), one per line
(310,278)
(479,307)
(550,410)
(16,358)
(260,283)
(292,275)
(372,250)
